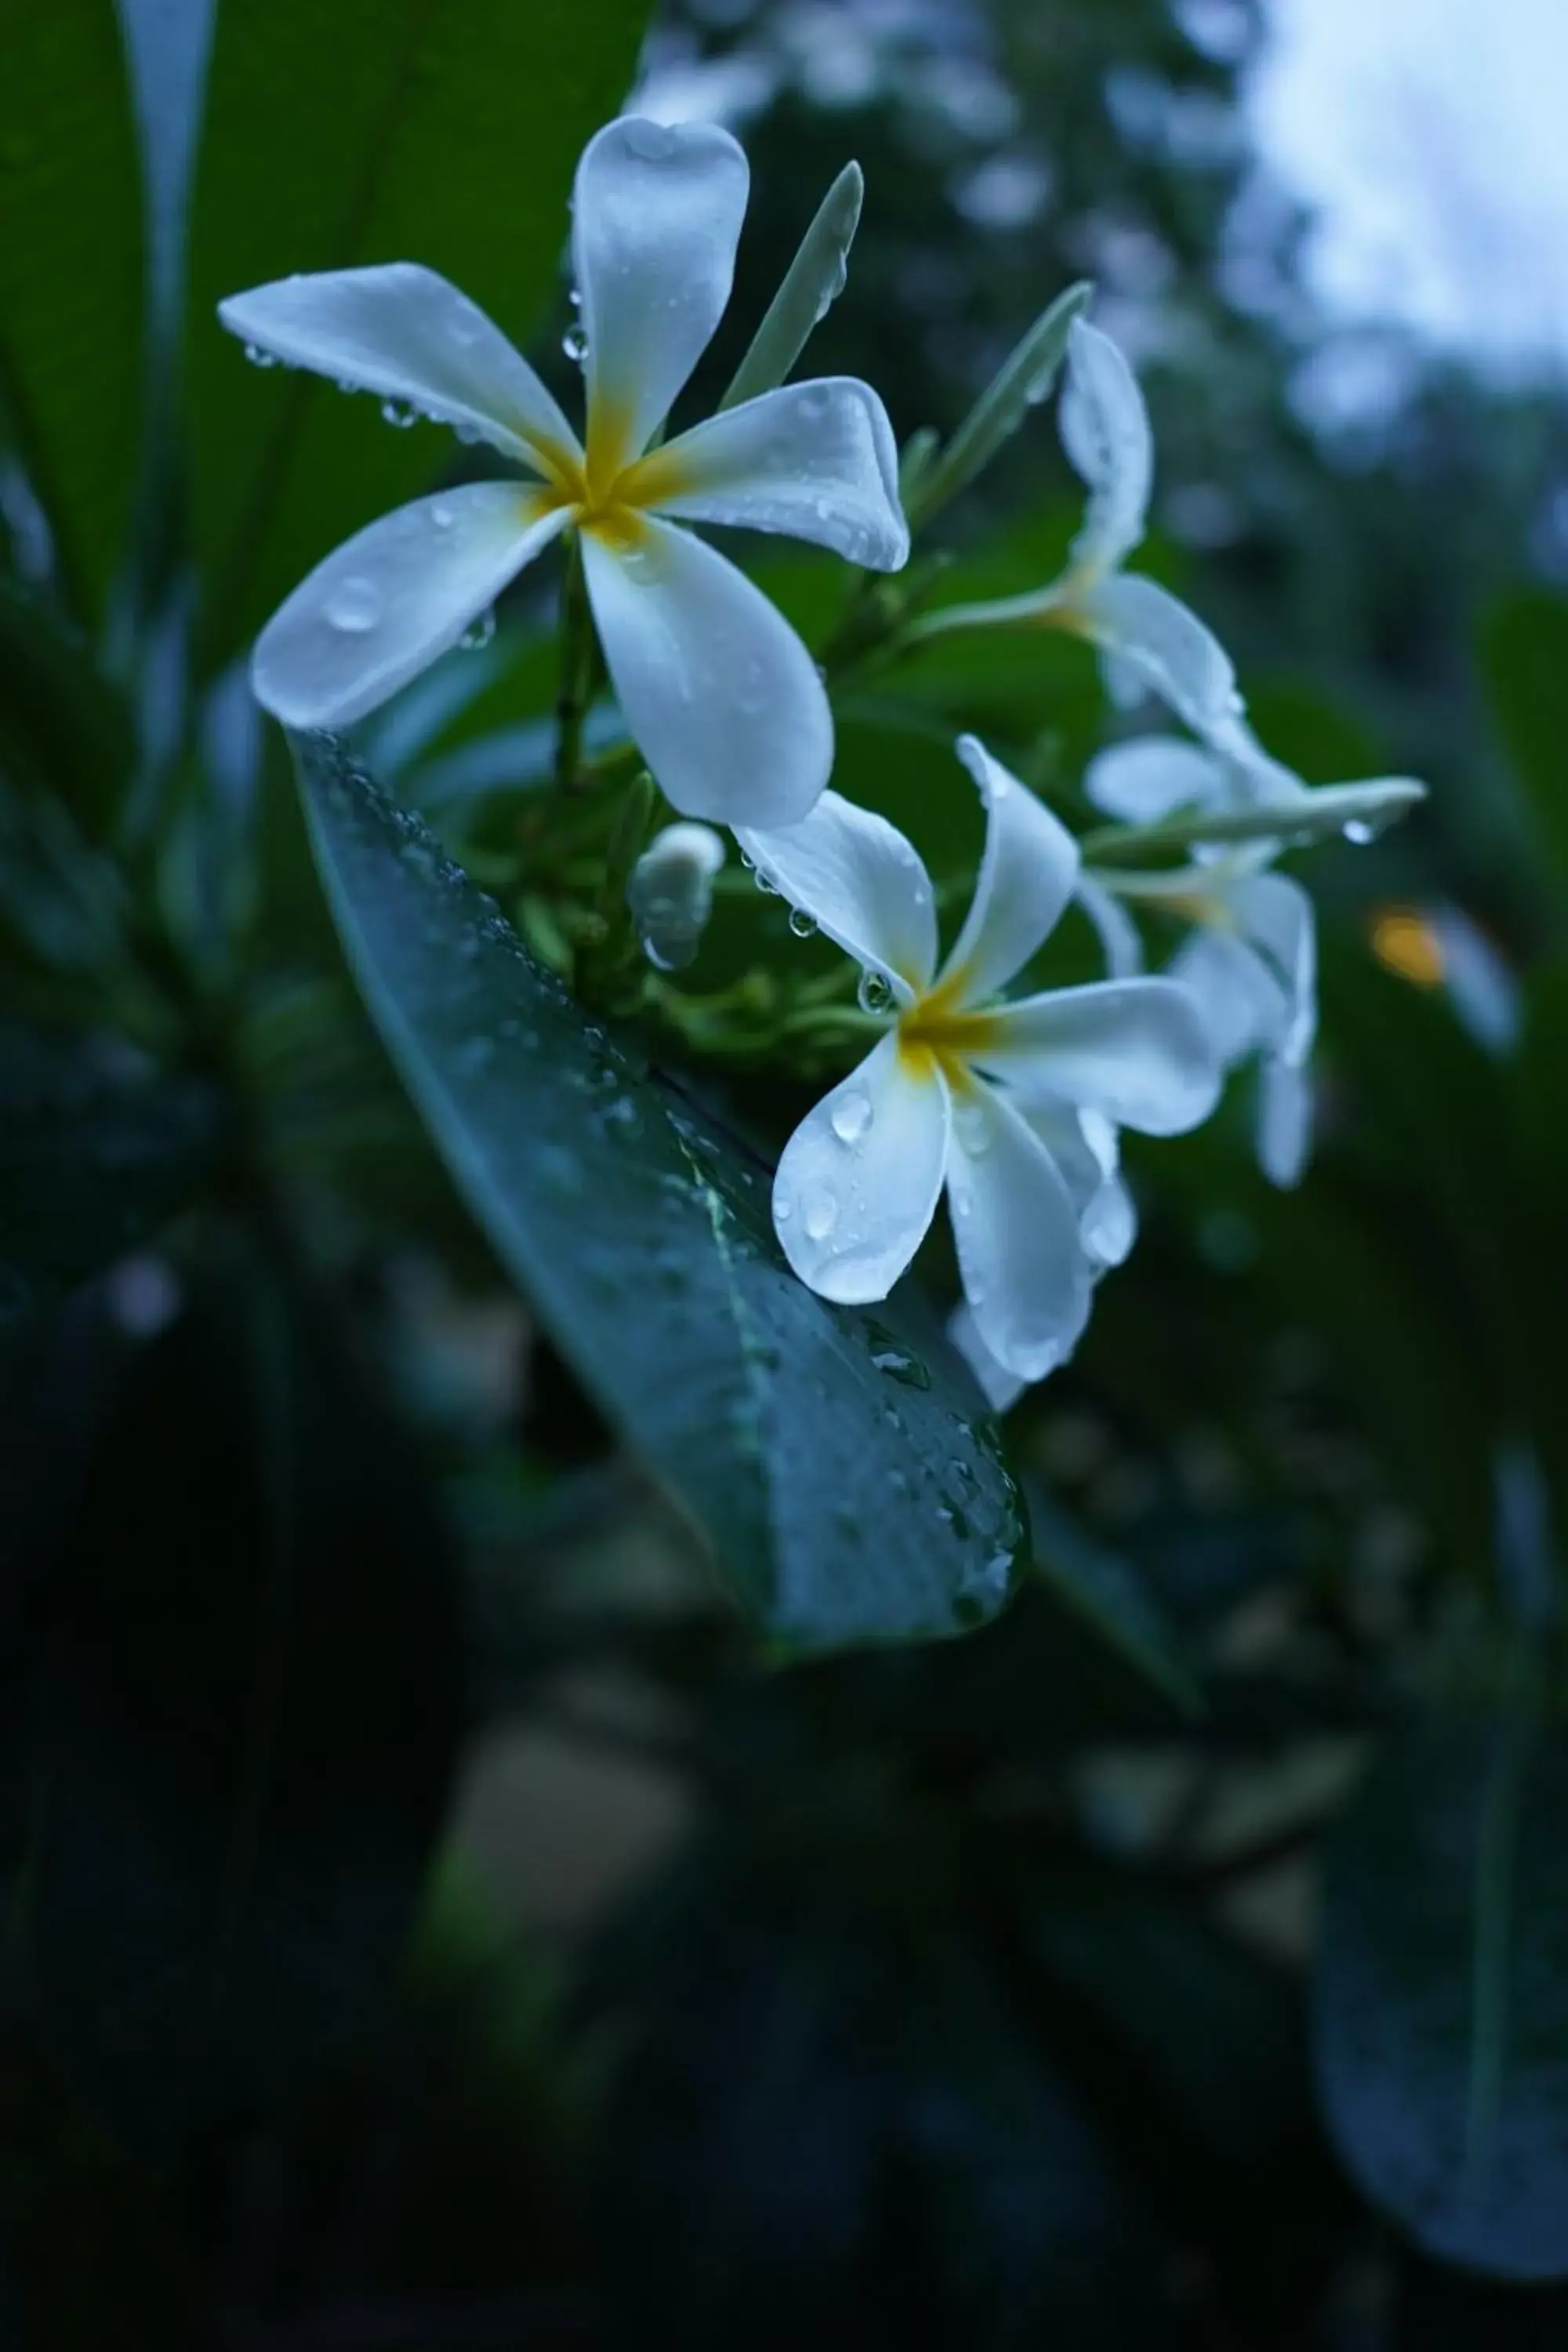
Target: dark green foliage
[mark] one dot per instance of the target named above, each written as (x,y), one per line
(245,1715)
(72,264)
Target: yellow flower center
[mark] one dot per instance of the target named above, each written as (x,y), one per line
(936,1033)
(607,491)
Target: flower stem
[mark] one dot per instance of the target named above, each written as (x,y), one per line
(577,647)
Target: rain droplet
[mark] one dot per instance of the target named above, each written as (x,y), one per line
(574,343)
(821,1214)
(784,1209)
(873,993)
(258,358)
(651,143)
(769,889)
(972,1128)
(850,1116)
(477,633)
(1360,832)
(470,434)
(442,517)
(355,606)
(803,924)
(574,296)
(400,414)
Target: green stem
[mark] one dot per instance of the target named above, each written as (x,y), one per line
(577,669)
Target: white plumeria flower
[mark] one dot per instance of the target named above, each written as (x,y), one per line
(964,1090)
(1148,640)
(1251,961)
(717,692)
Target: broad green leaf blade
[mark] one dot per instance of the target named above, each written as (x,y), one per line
(94,1156)
(1441,1994)
(71,270)
(812,284)
(831,1459)
(391,131)
(1524,653)
(247,1720)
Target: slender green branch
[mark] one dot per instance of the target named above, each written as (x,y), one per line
(577,642)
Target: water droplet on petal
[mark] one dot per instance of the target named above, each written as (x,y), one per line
(400,414)
(972,1128)
(442,516)
(258,358)
(784,1209)
(820,1213)
(479,633)
(1360,832)
(769,889)
(574,343)
(850,1116)
(874,993)
(651,143)
(355,606)
(803,924)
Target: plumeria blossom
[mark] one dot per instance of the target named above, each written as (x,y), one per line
(1250,962)
(716,689)
(1149,642)
(1011,1106)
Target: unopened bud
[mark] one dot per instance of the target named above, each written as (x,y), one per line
(670,892)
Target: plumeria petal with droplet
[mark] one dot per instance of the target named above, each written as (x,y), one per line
(1250,961)
(1009,1106)
(696,652)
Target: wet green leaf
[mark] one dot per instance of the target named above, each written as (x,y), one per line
(1442,1993)
(833,1456)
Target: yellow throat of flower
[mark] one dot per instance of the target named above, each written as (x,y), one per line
(607,491)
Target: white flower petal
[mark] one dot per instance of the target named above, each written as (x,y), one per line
(381,607)
(1025,1274)
(1284,1128)
(862,884)
(815,461)
(1242,1001)
(1277,916)
(1147,780)
(1183,662)
(859,1179)
(1138,1051)
(1105,431)
(1085,1149)
(717,691)
(407,333)
(1118,931)
(998,1386)
(655,219)
(1027,874)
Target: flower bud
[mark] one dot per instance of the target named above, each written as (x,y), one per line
(670,892)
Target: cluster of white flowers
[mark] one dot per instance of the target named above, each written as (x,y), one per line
(1012,1105)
